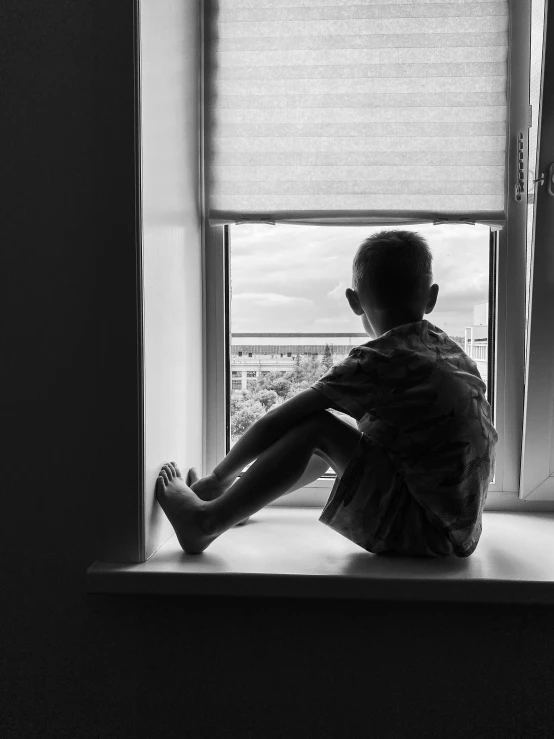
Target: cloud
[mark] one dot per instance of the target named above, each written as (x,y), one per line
(271,300)
(337,293)
(293,278)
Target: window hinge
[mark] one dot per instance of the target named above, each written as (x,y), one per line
(520,177)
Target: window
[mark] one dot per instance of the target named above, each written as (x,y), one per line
(307,268)
(204,319)
(537,470)
(236,384)
(236,374)
(251,374)
(494,333)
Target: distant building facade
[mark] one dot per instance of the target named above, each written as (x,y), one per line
(257,354)
(253,355)
(476,338)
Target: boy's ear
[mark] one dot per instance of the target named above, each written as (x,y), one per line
(353,301)
(433,294)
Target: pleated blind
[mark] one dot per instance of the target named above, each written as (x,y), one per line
(362,111)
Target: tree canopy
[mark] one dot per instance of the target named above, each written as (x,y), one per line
(273,388)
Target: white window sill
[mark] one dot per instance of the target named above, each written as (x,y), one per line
(287,552)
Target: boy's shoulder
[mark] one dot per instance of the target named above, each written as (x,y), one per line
(412,348)
(420,337)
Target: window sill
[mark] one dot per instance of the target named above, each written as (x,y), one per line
(287,552)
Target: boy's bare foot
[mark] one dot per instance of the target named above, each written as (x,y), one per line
(185,510)
(207,488)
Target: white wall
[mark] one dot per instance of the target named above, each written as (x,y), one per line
(172,247)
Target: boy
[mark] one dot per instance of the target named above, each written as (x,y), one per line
(413,478)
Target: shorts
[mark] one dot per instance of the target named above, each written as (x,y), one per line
(372,506)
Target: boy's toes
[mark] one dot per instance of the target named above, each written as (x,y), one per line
(160,485)
(177,470)
(168,471)
(164,475)
(193,476)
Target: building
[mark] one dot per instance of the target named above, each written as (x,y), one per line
(476,338)
(253,355)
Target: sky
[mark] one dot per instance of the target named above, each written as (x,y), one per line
(288,278)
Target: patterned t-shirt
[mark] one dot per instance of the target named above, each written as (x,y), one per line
(417,394)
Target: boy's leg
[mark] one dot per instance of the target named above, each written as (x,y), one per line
(281,468)
(317,467)
(275,471)
(206,489)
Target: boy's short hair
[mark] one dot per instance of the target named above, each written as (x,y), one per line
(395,267)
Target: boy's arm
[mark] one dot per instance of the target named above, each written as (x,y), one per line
(268,429)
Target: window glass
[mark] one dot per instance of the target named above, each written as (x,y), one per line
(290,314)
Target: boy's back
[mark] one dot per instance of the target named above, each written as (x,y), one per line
(420,402)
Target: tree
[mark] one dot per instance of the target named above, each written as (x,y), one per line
(296,372)
(282,386)
(327,359)
(266,381)
(267,398)
(248,412)
(273,389)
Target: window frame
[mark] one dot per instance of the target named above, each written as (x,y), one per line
(508,309)
(537,472)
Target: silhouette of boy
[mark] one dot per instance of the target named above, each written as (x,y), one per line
(412,479)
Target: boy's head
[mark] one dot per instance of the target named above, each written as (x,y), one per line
(392,280)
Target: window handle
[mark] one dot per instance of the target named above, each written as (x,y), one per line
(549,178)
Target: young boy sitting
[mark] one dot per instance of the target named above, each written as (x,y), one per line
(413,478)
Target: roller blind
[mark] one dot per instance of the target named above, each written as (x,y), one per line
(364,111)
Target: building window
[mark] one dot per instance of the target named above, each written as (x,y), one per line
(251,373)
(236,384)
(240,354)
(234,373)
(249,354)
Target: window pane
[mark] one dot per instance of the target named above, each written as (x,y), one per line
(290,320)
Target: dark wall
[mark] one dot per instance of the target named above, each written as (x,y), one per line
(77,665)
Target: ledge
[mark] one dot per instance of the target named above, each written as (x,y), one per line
(287,552)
